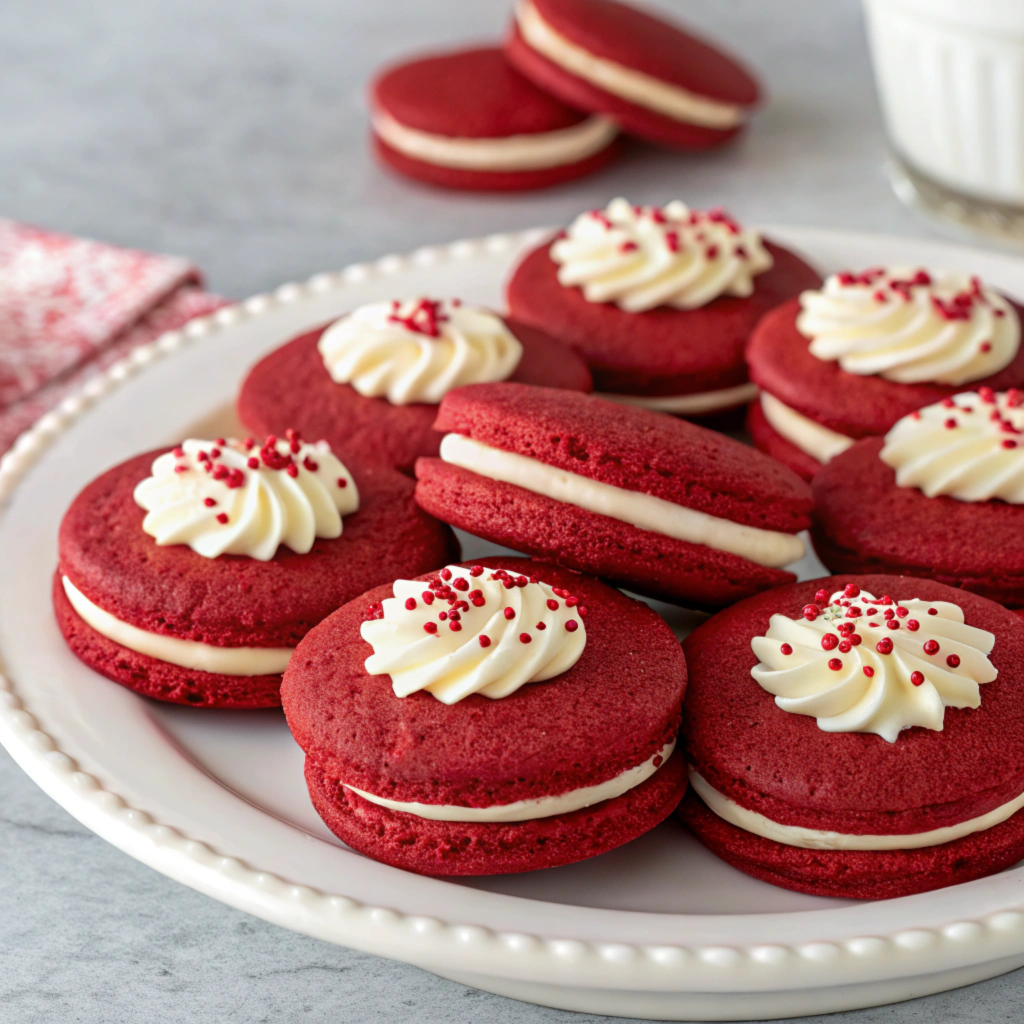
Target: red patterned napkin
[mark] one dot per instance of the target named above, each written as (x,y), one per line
(70,307)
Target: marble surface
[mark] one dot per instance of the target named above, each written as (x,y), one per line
(234,133)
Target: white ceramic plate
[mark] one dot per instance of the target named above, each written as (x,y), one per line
(659,928)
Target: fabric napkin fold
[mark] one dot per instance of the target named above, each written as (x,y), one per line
(71,307)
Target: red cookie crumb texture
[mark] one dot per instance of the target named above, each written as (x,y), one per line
(631,448)
(783,766)
(291,387)
(662,351)
(781,363)
(864,522)
(625,691)
(858,874)
(766,439)
(638,40)
(230,601)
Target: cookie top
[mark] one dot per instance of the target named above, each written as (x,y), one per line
(660,351)
(633,449)
(780,361)
(473,94)
(660,49)
(234,599)
(783,765)
(615,708)
(860,506)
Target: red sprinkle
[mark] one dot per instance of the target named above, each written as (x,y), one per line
(868,671)
(454,626)
(485,641)
(913,625)
(430,627)
(209,502)
(845,646)
(931,647)
(477,570)
(917,678)
(572,625)
(821,597)
(342,482)
(540,625)
(851,590)
(510,613)
(786,649)
(829,641)
(460,583)
(445,574)
(884,646)
(893,623)
(410,603)
(953,660)
(811,612)
(525,638)
(933,611)
(222,518)
(552,604)
(835,664)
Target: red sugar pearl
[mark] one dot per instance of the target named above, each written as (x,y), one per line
(571,602)
(874,625)
(913,625)
(1009,443)
(209,502)
(835,664)
(829,641)
(428,597)
(811,612)
(917,678)
(430,627)
(888,613)
(856,639)
(292,470)
(884,646)
(252,462)
(581,611)
(786,649)
(931,647)
(510,613)
(868,671)
(478,602)
(455,627)
(845,646)
(902,612)
(445,574)
(953,660)
(572,625)
(540,625)
(485,641)
(443,616)
(477,570)
(342,482)
(552,604)
(851,590)
(933,611)
(525,638)
(410,603)
(821,597)
(893,623)
(461,583)
(222,518)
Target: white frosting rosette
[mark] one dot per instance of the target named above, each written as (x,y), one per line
(229,497)
(858,663)
(969,447)
(418,350)
(910,326)
(473,630)
(641,257)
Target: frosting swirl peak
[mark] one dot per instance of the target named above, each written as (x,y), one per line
(229,497)
(418,350)
(969,447)
(859,663)
(641,257)
(910,326)
(473,630)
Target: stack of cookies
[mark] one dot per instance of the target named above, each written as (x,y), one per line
(858,735)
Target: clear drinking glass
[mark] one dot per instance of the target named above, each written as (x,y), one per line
(950,78)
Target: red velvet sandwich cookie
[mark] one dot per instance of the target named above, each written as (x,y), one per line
(190,575)
(940,496)
(659,505)
(500,717)
(469,120)
(858,736)
(849,360)
(660,301)
(653,78)
(370,382)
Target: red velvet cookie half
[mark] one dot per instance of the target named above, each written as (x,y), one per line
(490,718)
(660,301)
(659,505)
(858,736)
(469,120)
(190,575)
(370,383)
(940,496)
(652,77)
(848,360)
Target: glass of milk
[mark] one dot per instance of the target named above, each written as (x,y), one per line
(950,76)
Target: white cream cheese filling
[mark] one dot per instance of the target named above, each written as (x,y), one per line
(513,153)
(670,100)
(691,405)
(815,839)
(811,438)
(646,512)
(191,654)
(539,807)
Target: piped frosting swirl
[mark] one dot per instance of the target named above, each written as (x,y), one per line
(473,630)
(969,447)
(858,663)
(642,257)
(418,350)
(910,326)
(229,497)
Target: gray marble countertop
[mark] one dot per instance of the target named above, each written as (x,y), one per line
(234,133)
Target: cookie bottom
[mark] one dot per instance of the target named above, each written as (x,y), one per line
(430,847)
(857,874)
